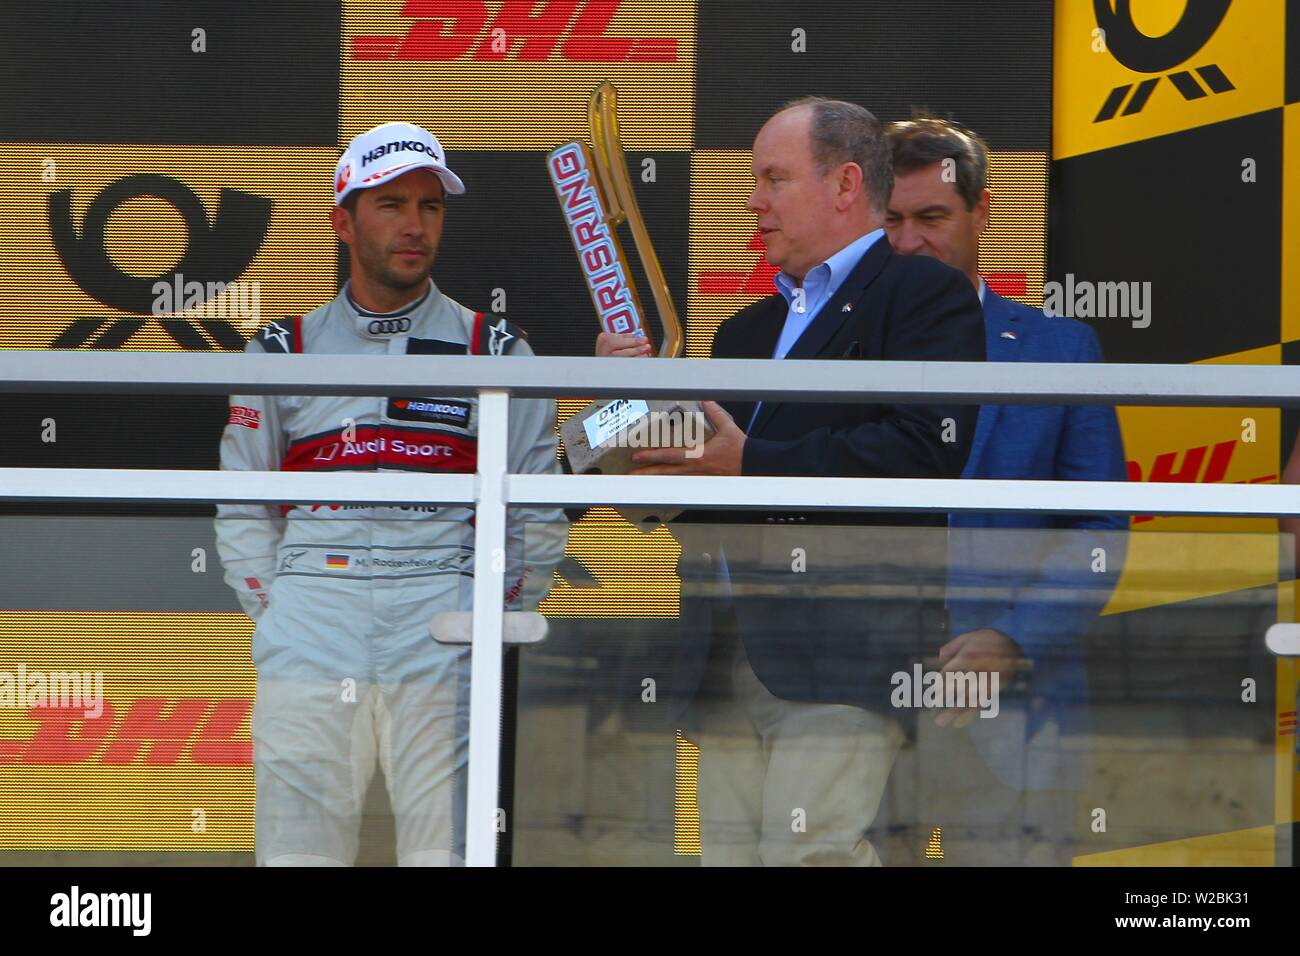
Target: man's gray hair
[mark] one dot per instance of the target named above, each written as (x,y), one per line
(844,132)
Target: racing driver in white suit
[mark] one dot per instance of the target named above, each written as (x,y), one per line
(347,672)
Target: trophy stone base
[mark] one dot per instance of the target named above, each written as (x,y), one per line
(601,438)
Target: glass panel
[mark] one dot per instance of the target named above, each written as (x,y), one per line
(145,719)
(1147,723)
(781,693)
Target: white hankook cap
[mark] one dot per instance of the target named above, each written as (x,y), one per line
(388,151)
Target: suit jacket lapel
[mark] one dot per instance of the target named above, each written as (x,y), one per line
(757,340)
(830,319)
(832,316)
(1004,333)
(999,347)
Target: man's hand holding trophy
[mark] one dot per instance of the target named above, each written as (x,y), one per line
(628,435)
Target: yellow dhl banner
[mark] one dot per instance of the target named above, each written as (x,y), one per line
(126,731)
(511,75)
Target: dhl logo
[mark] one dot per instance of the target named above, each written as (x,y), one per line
(446,30)
(1164,468)
(67,735)
(759,281)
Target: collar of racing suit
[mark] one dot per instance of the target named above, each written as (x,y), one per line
(385,325)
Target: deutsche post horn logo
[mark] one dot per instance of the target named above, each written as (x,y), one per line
(216,252)
(1144,54)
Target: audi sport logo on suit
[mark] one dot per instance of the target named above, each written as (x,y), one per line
(384,450)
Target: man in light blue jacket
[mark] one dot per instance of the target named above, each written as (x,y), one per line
(1023,588)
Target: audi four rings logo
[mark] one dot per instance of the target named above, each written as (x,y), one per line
(389,326)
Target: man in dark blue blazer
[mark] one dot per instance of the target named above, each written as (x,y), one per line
(784,681)
(1023,588)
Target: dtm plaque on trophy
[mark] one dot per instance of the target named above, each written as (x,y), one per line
(595,195)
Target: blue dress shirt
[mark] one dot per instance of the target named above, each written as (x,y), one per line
(806,300)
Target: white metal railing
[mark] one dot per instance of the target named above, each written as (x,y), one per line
(800,379)
(492,491)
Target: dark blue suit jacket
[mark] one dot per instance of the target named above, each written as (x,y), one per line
(803,647)
(1042,588)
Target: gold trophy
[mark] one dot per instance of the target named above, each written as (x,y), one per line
(595,195)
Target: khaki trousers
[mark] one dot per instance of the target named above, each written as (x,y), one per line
(785,783)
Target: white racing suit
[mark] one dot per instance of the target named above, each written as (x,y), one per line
(347,671)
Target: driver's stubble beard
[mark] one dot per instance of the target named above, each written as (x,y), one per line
(374,261)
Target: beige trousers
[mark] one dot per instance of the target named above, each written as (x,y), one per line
(786,783)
